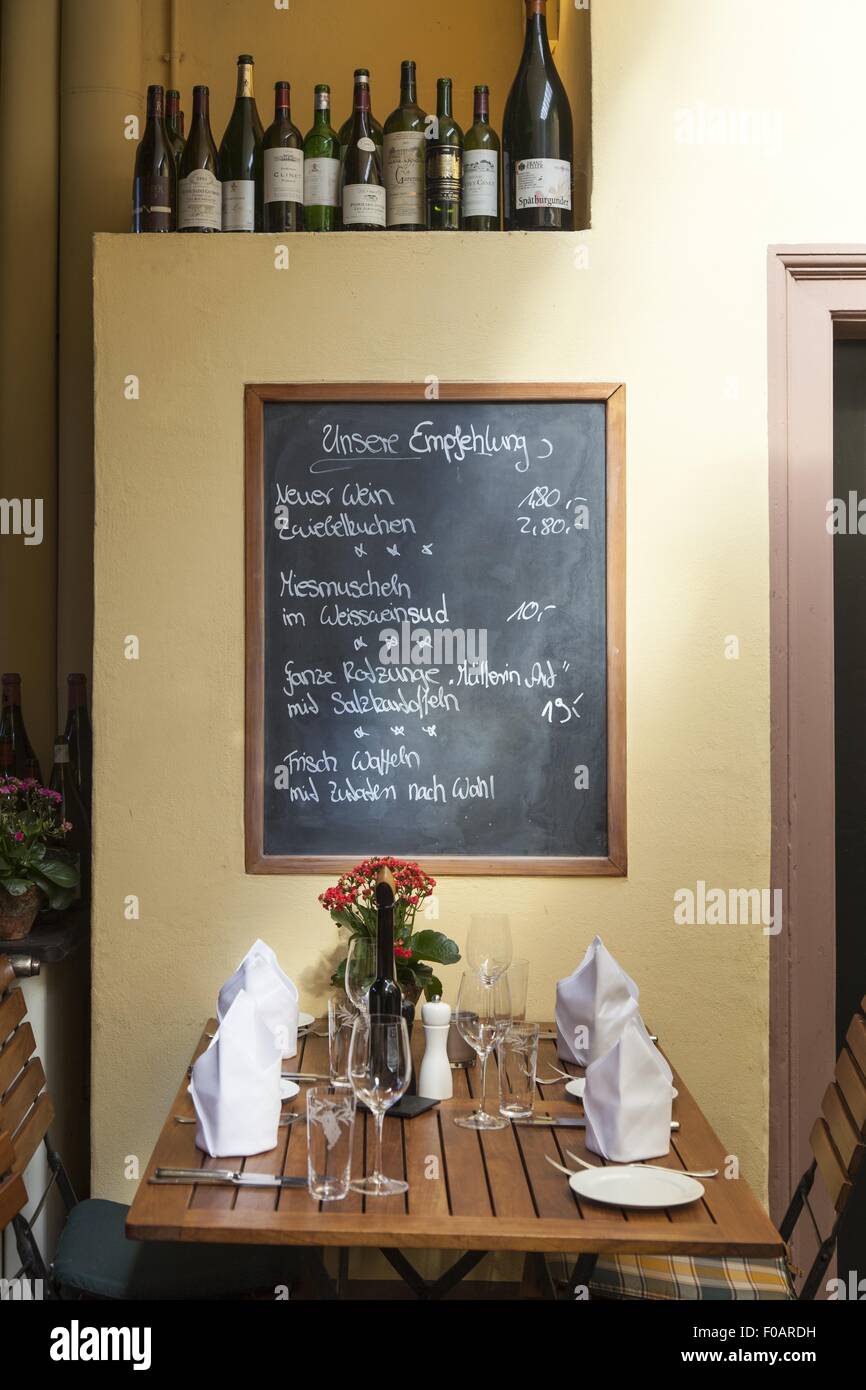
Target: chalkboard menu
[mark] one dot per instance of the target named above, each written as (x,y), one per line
(435,639)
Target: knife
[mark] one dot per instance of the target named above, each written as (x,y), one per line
(224,1175)
(564,1122)
(288,1119)
(303,1076)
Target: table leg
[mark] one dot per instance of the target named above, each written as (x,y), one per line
(582,1272)
(436,1288)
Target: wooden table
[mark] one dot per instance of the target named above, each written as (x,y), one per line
(494,1190)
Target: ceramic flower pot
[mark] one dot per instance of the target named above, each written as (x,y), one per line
(17,914)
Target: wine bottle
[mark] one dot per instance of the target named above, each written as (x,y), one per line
(12,727)
(362,183)
(241,158)
(79,738)
(346,128)
(283,167)
(537,138)
(154,186)
(481,170)
(199,188)
(71,809)
(384,998)
(444,165)
(405,158)
(174,123)
(7,758)
(322,167)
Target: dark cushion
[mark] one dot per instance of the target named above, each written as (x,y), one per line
(94,1256)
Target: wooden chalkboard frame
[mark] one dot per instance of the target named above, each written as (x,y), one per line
(612,396)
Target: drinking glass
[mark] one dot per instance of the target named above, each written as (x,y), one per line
(488,945)
(360,970)
(518,983)
(341,1016)
(483,1015)
(518,1058)
(330,1132)
(380,1068)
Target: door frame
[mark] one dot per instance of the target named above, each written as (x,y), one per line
(816,293)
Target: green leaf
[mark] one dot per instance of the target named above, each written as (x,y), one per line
(16,886)
(60,898)
(339,975)
(434,945)
(64,875)
(433,988)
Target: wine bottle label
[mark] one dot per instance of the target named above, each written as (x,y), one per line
(480,183)
(366,144)
(363,205)
(543,183)
(444,173)
(152,204)
(239,205)
(201,201)
(321,183)
(284,176)
(405,178)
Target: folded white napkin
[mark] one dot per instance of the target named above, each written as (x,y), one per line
(628,1098)
(275,995)
(593,1006)
(235,1085)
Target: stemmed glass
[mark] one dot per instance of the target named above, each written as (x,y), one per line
(488,945)
(360,970)
(483,1018)
(380,1068)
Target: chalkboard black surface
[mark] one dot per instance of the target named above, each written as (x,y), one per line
(435,628)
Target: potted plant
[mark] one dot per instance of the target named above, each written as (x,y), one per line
(33,869)
(351,901)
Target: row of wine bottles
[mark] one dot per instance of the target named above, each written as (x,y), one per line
(72,771)
(415,173)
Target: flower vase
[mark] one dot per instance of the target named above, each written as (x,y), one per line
(18,913)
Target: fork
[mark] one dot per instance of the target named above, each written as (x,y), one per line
(658,1167)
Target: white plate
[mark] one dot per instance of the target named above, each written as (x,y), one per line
(577,1086)
(288,1089)
(304,1020)
(647,1188)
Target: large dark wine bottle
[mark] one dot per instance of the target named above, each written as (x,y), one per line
(79,738)
(362,182)
(405,151)
(241,157)
(283,167)
(77,839)
(200,206)
(322,168)
(346,128)
(444,165)
(154,185)
(537,138)
(385,999)
(174,123)
(25,763)
(481,170)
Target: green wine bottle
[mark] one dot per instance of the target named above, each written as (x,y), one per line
(12,728)
(405,151)
(346,128)
(362,183)
(322,167)
(537,138)
(241,158)
(174,123)
(444,165)
(283,168)
(154,189)
(200,207)
(481,170)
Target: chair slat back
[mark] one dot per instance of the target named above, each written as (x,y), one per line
(846,1137)
(26,1109)
(852,1084)
(13,1194)
(856,1040)
(830,1165)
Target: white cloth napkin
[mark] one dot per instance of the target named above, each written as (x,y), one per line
(235,1085)
(593,1006)
(274,993)
(628,1098)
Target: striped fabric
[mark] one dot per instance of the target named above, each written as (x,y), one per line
(693,1277)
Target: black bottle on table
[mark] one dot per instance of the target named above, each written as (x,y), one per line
(385,999)
(154,187)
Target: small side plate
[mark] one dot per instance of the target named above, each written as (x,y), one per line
(649,1189)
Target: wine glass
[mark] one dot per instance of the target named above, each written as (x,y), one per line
(380,1068)
(360,970)
(488,945)
(483,1018)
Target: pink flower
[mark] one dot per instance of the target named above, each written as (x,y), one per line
(19,836)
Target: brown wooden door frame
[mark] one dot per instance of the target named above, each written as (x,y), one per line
(814,294)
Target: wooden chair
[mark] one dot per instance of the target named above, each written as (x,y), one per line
(838,1144)
(94,1259)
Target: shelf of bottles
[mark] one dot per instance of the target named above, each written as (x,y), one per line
(417,172)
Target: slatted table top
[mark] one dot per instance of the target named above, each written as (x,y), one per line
(467,1190)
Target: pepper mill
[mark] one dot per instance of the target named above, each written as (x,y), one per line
(435,1080)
